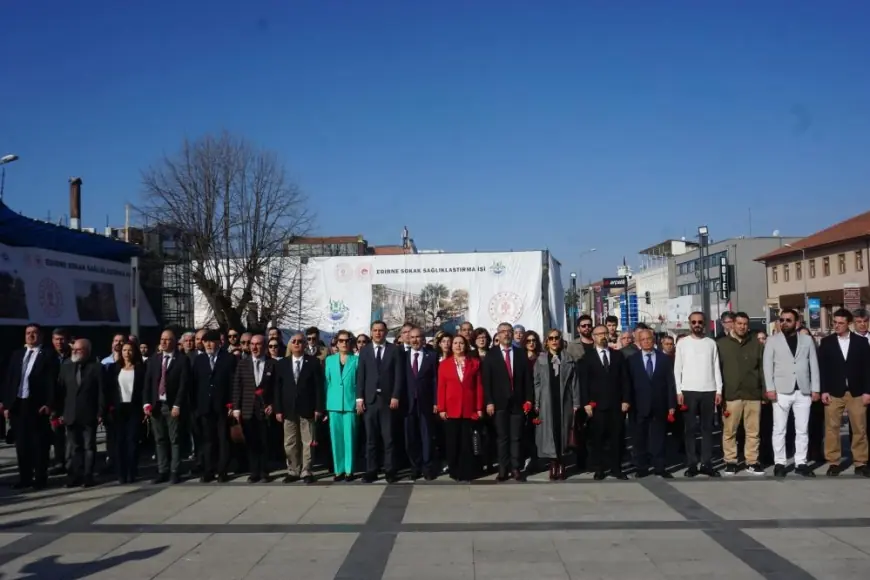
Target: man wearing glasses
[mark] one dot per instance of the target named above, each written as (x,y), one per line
(698,379)
(578,347)
(315,347)
(791,377)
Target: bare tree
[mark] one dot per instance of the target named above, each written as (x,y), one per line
(236,210)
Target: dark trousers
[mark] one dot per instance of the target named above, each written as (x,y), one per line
(458,448)
(378,419)
(701,410)
(127,423)
(111,442)
(648,438)
(257,444)
(213,437)
(58,442)
(196,438)
(32,435)
(607,430)
(418,438)
(81,450)
(509,434)
(166,439)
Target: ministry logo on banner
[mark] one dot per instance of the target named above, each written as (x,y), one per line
(505,307)
(338,312)
(50,298)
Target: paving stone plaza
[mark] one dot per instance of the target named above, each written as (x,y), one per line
(741,527)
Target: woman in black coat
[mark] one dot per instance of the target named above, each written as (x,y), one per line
(125,406)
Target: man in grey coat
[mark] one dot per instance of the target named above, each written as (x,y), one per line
(791,374)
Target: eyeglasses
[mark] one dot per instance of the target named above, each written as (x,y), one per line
(342,340)
(361,341)
(531,341)
(554,337)
(233,336)
(295,341)
(273,346)
(584,326)
(696,322)
(246,342)
(312,338)
(786,320)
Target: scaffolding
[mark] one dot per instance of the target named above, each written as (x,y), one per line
(170,277)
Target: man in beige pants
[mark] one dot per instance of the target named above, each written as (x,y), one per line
(741,356)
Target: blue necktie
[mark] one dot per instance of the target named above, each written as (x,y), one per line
(649,365)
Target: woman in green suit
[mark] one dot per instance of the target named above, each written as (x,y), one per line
(341,405)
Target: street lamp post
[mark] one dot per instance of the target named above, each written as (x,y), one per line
(704,239)
(6,159)
(804,276)
(580,275)
(572,312)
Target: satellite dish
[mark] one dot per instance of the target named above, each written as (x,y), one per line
(775,233)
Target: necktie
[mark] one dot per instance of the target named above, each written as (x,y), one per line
(416,365)
(297,369)
(27,358)
(161,388)
(378,353)
(649,365)
(211,361)
(78,374)
(605,360)
(257,371)
(507,363)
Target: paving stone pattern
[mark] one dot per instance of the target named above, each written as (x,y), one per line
(742,527)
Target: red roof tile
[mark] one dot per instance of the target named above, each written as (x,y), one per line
(851,229)
(389,250)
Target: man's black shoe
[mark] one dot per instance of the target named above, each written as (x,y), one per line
(664,474)
(599,475)
(501,477)
(40,484)
(708,471)
(162,478)
(253,479)
(730,469)
(89,482)
(391,477)
(415,475)
(309,479)
(223,478)
(290,478)
(174,479)
(691,472)
(21,485)
(619,475)
(833,471)
(863,471)
(72,482)
(779,470)
(641,473)
(804,470)
(338,477)
(370,477)
(206,478)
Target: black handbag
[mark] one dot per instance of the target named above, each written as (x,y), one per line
(476,444)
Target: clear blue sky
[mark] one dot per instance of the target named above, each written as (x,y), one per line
(487,124)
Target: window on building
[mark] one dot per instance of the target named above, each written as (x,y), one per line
(774,274)
(841,263)
(826,266)
(785,274)
(859,261)
(812,268)
(798,270)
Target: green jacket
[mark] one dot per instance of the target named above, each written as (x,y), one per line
(742,368)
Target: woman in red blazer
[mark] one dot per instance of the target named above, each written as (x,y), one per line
(460,401)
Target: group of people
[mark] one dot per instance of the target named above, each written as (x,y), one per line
(462,404)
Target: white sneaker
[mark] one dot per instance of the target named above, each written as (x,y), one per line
(755,469)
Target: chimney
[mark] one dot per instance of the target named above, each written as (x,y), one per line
(75,203)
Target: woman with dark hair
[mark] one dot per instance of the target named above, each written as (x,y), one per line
(125,407)
(533,346)
(362,339)
(482,342)
(341,405)
(443,344)
(460,401)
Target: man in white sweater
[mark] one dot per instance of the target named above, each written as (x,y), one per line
(699,392)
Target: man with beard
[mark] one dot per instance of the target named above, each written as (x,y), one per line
(699,387)
(578,347)
(81,398)
(791,377)
(60,342)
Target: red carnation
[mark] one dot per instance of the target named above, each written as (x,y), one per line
(148,408)
(684,408)
(527,406)
(726,413)
(536,421)
(55,423)
(593,404)
(259,392)
(314,443)
(671,418)
(474,417)
(229,406)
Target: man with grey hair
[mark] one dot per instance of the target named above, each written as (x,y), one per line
(81,398)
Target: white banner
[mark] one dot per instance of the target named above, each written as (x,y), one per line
(435,291)
(58,289)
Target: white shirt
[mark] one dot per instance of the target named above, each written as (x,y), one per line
(651,355)
(602,352)
(125,381)
(510,355)
(696,366)
(297,365)
(24,388)
(844,345)
(867,336)
(258,363)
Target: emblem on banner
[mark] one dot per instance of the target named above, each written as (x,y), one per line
(50,298)
(343,272)
(364,271)
(497,268)
(338,311)
(505,307)
(34,260)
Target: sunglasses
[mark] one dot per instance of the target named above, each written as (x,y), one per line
(342,340)
(362,341)
(531,341)
(585,326)
(786,320)
(554,338)
(697,323)
(273,346)
(295,341)
(233,336)
(312,338)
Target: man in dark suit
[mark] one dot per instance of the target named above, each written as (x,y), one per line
(845,385)
(299,404)
(655,398)
(60,342)
(167,378)
(508,392)
(417,396)
(378,380)
(253,394)
(28,397)
(81,397)
(212,392)
(605,392)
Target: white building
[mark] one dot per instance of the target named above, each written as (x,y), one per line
(651,282)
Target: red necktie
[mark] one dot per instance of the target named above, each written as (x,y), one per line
(510,370)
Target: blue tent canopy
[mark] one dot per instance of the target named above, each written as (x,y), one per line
(18,230)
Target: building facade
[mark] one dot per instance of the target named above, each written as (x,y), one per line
(830,269)
(652,283)
(748,286)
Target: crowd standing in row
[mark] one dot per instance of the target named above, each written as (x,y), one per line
(470,402)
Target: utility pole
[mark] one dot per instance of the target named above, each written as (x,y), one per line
(704,240)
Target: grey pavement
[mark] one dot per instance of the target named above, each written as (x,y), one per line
(742,527)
